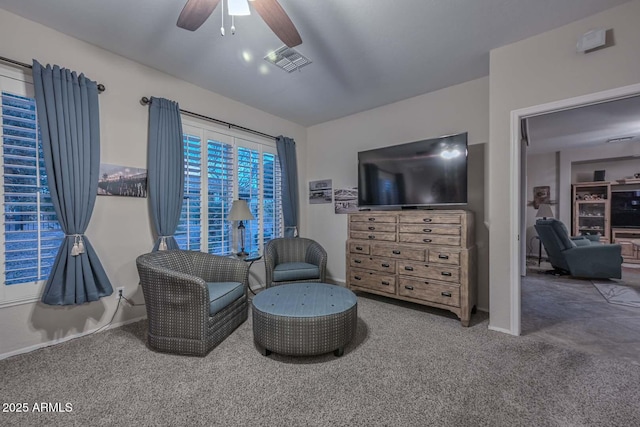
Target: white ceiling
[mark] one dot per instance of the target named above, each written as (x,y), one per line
(585,126)
(365,53)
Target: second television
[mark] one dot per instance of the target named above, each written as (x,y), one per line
(431,172)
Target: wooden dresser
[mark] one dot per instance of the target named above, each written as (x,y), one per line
(423,256)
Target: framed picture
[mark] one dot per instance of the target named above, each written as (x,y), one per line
(320,192)
(116,180)
(346,200)
(541,195)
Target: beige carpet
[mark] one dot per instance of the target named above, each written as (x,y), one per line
(408,366)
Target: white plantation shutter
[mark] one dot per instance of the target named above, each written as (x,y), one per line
(249,190)
(32,234)
(235,169)
(189,231)
(271,197)
(220,196)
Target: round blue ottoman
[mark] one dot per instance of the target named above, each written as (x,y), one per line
(303,319)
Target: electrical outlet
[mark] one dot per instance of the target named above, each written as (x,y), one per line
(119,292)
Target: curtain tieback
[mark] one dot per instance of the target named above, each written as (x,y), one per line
(78,244)
(163,243)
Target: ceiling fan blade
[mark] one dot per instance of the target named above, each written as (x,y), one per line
(195,12)
(278,20)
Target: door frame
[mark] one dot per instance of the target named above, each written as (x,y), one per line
(517,230)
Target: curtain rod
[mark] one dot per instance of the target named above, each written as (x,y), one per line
(146,101)
(101,87)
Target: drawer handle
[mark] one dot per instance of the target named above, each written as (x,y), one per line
(371,236)
(372,228)
(372,219)
(357,261)
(385,265)
(396,252)
(408,268)
(385,283)
(446,294)
(427,219)
(357,277)
(359,248)
(445,273)
(408,287)
(426,230)
(443,256)
(426,240)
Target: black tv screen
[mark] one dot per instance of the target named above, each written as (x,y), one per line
(625,209)
(431,172)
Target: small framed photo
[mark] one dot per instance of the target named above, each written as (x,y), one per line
(116,180)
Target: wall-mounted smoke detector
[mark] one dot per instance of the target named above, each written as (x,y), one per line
(623,139)
(288,59)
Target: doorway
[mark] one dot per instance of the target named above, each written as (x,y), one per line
(518,167)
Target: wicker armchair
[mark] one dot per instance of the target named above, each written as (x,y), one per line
(293,260)
(194,300)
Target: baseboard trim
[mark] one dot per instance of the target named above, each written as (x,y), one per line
(67,338)
(502,330)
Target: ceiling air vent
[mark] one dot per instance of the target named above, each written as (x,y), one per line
(287,58)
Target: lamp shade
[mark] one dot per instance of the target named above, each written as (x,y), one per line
(240,211)
(544,211)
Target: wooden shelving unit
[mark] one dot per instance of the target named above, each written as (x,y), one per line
(592,209)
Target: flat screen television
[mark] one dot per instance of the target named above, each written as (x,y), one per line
(431,172)
(625,209)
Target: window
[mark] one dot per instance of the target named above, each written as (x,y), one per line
(31,232)
(234,168)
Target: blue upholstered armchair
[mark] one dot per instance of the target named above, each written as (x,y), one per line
(294,259)
(578,256)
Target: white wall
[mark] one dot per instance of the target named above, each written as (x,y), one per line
(614,169)
(541,171)
(535,71)
(333,148)
(120,229)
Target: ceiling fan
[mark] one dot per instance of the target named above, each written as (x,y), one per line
(195,12)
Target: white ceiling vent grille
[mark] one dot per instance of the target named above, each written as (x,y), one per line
(288,59)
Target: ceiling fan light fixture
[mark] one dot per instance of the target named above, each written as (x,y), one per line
(238,7)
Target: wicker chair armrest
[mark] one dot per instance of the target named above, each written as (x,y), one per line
(270,260)
(171,295)
(216,268)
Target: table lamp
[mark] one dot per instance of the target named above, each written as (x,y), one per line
(544,211)
(240,212)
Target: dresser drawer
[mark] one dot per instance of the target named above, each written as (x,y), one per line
(373,235)
(360,248)
(398,251)
(443,257)
(429,271)
(431,239)
(370,263)
(371,280)
(449,230)
(372,226)
(371,218)
(433,218)
(438,292)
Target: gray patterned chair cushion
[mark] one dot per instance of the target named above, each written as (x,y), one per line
(291,271)
(301,254)
(194,300)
